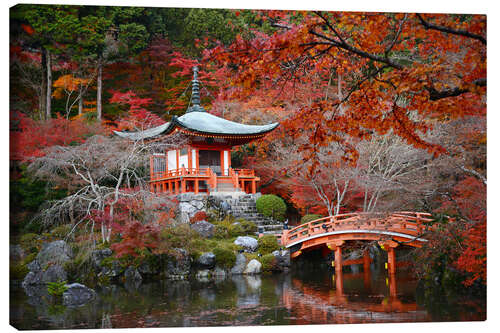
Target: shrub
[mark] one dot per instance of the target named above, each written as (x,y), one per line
(236,230)
(199,216)
(18,271)
(248,227)
(30,242)
(310,217)
(221,231)
(56,288)
(224,257)
(268,262)
(268,244)
(272,206)
(61,231)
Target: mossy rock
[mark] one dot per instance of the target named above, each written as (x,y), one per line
(61,231)
(18,272)
(272,206)
(247,226)
(30,242)
(268,262)
(224,258)
(267,244)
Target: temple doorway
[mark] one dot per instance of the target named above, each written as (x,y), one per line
(210,159)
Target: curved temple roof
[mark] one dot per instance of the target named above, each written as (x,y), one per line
(200,122)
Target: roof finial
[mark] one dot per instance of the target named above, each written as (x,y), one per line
(195,96)
(196,87)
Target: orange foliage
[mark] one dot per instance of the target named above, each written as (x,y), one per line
(385,86)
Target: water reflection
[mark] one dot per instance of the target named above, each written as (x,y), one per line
(304,297)
(370,303)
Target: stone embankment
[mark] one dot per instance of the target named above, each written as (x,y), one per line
(50,266)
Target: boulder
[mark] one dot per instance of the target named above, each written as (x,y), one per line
(37,275)
(77,294)
(99,255)
(203,275)
(206,260)
(54,273)
(204,228)
(253,267)
(178,266)
(186,207)
(16,253)
(147,268)
(131,274)
(219,274)
(282,259)
(197,204)
(57,252)
(112,271)
(34,266)
(249,244)
(240,264)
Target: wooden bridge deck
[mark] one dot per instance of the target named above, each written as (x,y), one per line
(390,230)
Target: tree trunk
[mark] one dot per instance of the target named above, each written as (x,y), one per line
(80,102)
(44,85)
(99,91)
(48,107)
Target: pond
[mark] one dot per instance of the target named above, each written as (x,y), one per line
(315,296)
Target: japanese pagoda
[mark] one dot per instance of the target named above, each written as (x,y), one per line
(204,164)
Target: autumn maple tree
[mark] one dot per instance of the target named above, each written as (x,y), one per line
(397,72)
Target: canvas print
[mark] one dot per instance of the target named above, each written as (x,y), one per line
(175,167)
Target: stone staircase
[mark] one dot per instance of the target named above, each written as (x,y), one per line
(243,206)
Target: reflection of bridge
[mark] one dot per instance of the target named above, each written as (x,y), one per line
(331,233)
(335,306)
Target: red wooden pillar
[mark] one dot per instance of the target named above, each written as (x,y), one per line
(338,259)
(366,260)
(254,189)
(151,168)
(196,188)
(183,186)
(393,291)
(391,260)
(176,184)
(337,247)
(339,284)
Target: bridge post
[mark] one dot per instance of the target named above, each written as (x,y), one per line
(390,246)
(366,260)
(337,247)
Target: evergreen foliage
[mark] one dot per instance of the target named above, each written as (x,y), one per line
(271,205)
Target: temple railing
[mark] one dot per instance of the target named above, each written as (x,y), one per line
(244,172)
(235,174)
(194,172)
(234,178)
(212,178)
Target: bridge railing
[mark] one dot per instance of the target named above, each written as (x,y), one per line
(407,222)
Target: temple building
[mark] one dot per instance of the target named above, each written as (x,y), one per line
(204,164)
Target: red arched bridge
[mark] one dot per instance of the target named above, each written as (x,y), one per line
(331,233)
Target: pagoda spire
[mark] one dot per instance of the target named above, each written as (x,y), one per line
(195,96)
